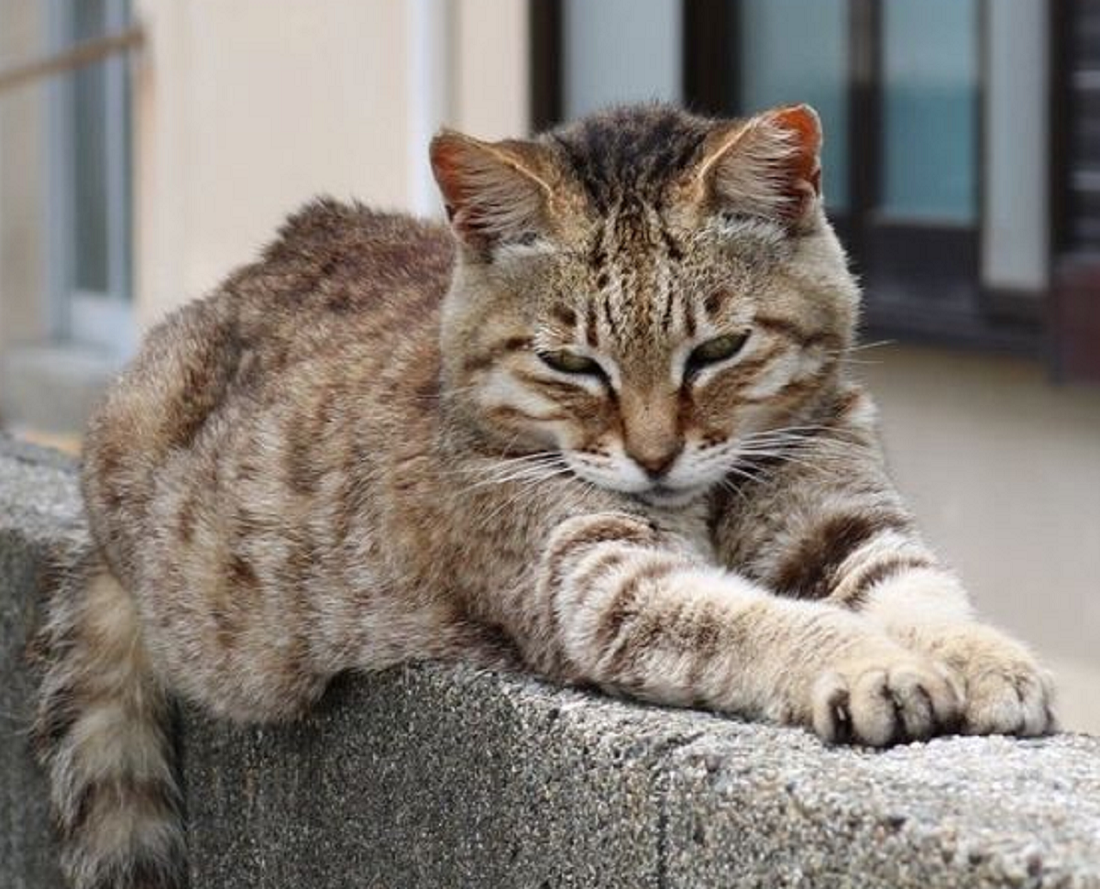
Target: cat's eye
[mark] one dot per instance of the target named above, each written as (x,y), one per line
(571,363)
(721,348)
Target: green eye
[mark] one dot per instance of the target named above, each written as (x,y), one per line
(571,363)
(721,348)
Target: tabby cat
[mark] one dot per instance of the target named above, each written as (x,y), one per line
(602,428)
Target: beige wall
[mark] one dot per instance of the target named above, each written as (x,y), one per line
(244,110)
(1003,470)
(23,314)
(491,68)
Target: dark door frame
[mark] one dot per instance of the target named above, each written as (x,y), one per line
(923,281)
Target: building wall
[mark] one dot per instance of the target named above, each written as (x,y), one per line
(23,313)
(1003,471)
(246,110)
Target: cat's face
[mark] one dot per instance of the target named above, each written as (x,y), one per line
(650,335)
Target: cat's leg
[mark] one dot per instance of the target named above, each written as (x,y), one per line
(831,527)
(869,558)
(634,611)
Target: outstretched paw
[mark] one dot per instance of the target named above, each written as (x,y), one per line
(888,699)
(1007,692)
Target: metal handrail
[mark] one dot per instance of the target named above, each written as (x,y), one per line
(86,53)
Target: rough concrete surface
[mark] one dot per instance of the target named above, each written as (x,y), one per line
(38,517)
(440,776)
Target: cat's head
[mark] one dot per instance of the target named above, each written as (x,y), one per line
(645,292)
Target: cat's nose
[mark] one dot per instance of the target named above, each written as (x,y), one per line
(656,461)
(651,434)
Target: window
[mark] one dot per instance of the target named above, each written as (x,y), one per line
(620,51)
(89,187)
(935,124)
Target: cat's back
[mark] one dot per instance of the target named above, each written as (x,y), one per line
(340,287)
(342,268)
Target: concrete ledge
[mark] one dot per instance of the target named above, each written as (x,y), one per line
(39,518)
(438,776)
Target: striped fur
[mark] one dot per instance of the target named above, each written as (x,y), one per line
(102,733)
(602,429)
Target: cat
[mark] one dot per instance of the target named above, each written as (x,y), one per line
(600,427)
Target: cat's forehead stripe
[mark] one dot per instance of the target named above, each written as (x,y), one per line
(634,259)
(633,151)
(591,332)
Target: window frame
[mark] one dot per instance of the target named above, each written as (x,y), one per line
(101,319)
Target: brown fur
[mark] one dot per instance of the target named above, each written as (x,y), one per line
(362,449)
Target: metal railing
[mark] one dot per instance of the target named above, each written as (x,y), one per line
(86,53)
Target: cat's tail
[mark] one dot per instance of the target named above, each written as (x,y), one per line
(103,735)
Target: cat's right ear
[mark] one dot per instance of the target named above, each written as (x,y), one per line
(767,166)
(494,192)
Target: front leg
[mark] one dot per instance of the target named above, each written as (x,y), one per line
(889,576)
(830,527)
(638,612)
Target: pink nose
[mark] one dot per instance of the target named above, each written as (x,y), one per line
(656,462)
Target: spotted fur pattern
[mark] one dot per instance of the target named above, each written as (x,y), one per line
(602,429)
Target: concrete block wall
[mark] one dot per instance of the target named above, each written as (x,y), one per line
(39,518)
(443,776)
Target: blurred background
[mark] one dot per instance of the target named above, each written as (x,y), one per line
(149,146)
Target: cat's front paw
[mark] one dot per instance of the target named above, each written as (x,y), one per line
(886,698)
(1007,692)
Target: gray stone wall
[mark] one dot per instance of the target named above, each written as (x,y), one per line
(38,518)
(439,776)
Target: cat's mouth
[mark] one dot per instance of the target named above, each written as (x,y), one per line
(666,497)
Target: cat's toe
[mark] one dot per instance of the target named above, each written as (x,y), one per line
(879,705)
(876,713)
(832,718)
(1014,698)
(1007,692)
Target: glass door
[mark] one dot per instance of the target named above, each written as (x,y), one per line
(795,51)
(929,112)
(920,218)
(619,51)
(896,84)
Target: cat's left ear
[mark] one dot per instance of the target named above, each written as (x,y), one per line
(768,166)
(494,192)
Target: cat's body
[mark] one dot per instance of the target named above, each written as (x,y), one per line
(552,452)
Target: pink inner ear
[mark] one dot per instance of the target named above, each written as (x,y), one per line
(489,191)
(447,166)
(805,164)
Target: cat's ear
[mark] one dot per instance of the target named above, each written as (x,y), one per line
(769,166)
(494,192)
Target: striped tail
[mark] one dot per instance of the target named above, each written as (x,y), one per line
(103,735)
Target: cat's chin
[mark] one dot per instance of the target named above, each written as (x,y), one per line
(671,498)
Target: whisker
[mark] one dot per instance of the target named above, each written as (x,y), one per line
(524,488)
(874,344)
(529,473)
(727,484)
(505,463)
(836,448)
(742,473)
